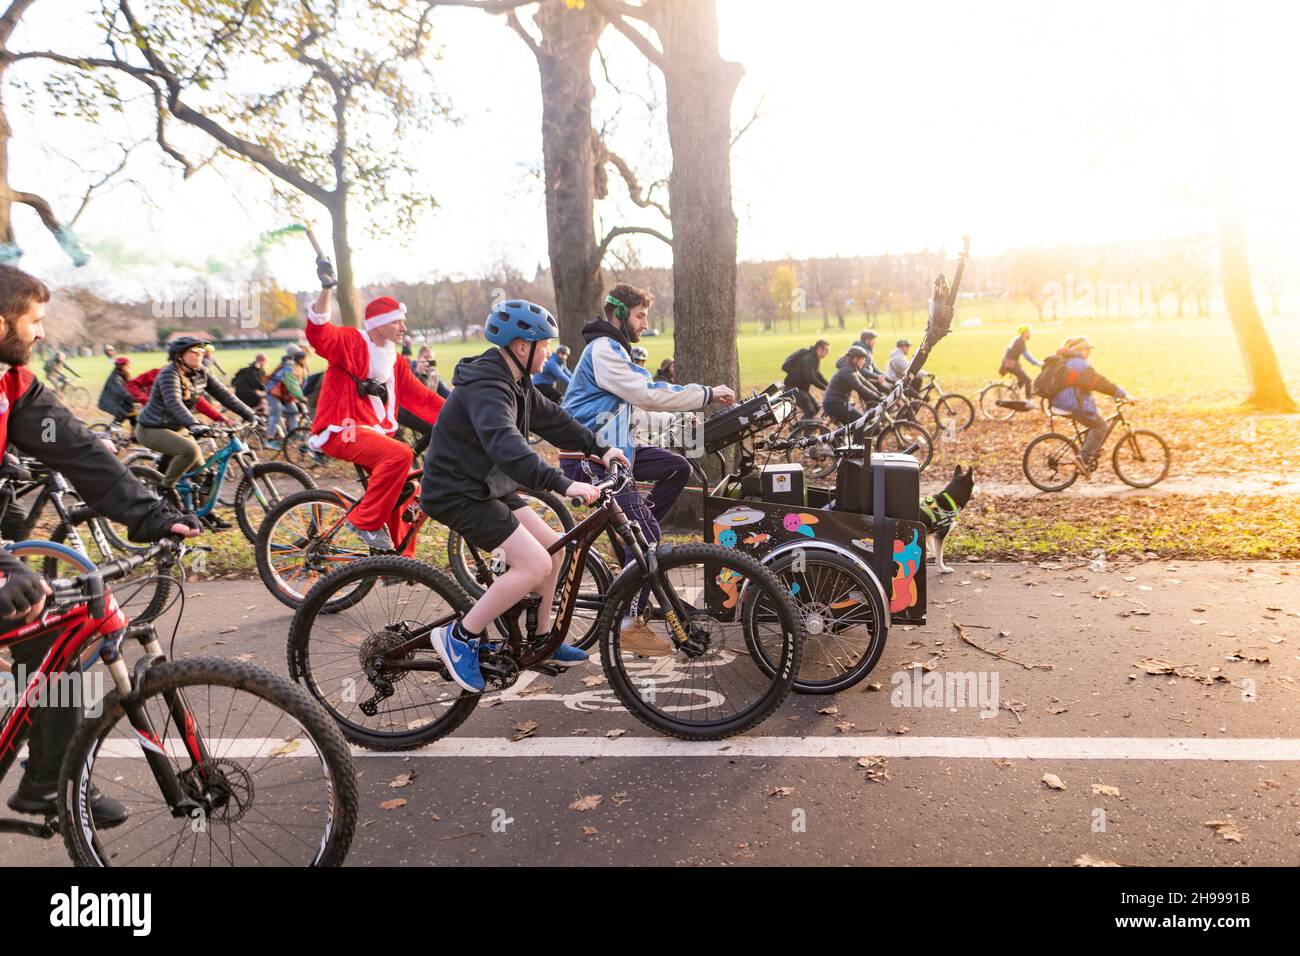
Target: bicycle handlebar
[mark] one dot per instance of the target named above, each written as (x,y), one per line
(616,475)
(66,590)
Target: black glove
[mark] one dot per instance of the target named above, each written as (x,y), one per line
(190,521)
(325,272)
(200,431)
(20,593)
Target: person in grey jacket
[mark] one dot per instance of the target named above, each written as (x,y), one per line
(898,361)
(167,416)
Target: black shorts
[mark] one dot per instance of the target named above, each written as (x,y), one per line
(484,524)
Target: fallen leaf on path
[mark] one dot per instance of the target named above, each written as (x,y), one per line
(593,680)
(1087,860)
(1226,829)
(402,780)
(393,804)
(1105,790)
(829,711)
(781,792)
(1053,781)
(844,726)
(288,747)
(589,802)
(538,688)
(877,768)
(615,734)
(525,728)
(588,831)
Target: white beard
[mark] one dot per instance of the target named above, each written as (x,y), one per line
(382,359)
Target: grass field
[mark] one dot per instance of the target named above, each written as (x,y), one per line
(1190,360)
(1189,373)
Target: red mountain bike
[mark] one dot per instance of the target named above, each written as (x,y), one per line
(219,763)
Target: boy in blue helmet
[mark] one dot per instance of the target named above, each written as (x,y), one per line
(478,460)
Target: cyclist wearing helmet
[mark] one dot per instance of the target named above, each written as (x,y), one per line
(1075,398)
(30,416)
(1011,360)
(168,416)
(869,372)
(846,381)
(639,355)
(115,399)
(366,382)
(478,460)
(554,379)
(607,385)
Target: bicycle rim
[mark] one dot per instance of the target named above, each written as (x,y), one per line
(1049,462)
(277,787)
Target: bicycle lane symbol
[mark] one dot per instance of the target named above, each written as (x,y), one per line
(656,677)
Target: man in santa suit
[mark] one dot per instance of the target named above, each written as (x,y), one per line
(366,382)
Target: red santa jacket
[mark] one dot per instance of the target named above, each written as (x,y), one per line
(140,386)
(349,353)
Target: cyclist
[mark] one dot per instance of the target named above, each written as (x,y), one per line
(869,371)
(168,414)
(1075,397)
(803,373)
(607,386)
(667,372)
(284,392)
(250,384)
(356,414)
(555,378)
(1011,360)
(57,370)
(898,362)
(142,385)
(115,399)
(479,456)
(27,410)
(639,355)
(846,381)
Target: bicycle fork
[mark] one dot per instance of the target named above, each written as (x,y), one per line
(151,743)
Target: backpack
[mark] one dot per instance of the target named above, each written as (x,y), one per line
(312,385)
(1053,378)
(792,360)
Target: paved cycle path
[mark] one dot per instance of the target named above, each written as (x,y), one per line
(1141,762)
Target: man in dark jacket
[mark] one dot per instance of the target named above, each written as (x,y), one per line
(250,384)
(1016,348)
(30,416)
(846,382)
(478,460)
(806,374)
(115,399)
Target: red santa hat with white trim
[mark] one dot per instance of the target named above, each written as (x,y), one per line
(383,310)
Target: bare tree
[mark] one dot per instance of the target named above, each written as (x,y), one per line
(699,86)
(323,70)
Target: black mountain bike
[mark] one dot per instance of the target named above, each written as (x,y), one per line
(1053,462)
(735,635)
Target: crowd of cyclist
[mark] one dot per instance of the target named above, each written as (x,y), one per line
(1067,381)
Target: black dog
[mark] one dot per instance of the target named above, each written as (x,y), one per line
(939,513)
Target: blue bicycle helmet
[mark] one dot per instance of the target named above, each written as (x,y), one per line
(518,319)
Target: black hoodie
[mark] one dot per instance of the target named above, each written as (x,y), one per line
(478,448)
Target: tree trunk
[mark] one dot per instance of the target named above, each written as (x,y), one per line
(1267,387)
(345,292)
(700,85)
(564,64)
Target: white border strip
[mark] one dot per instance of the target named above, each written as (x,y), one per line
(960,748)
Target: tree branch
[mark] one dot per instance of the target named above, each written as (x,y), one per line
(633,187)
(627,231)
(512,20)
(614,12)
(9,21)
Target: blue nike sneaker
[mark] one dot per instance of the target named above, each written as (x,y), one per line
(461,658)
(568,654)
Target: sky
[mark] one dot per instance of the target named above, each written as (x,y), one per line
(880,128)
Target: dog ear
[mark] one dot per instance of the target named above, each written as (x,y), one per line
(956,472)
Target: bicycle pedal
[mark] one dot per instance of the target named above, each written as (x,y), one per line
(550,670)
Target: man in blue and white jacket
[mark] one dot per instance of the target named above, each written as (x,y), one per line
(606,386)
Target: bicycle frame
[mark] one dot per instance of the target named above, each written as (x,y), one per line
(187,485)
(53,487)
(92,618)
(577,542)
(411,532)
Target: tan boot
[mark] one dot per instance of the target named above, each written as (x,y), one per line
(636,637)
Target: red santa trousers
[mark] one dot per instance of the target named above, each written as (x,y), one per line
(389,462)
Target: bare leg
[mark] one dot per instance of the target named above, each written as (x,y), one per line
(545,536)
(530,566)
